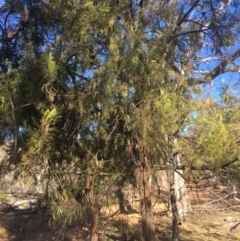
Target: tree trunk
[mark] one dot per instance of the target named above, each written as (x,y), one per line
(182,200)
(120,195)
(175,219)
(178,184)
(95,209)
(179,204)
(143,176)
(15,126)
(94,225)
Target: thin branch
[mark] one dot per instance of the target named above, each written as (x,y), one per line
(192,168)
(220,198)
(203,178)
(186,14)
(81,76)
(114,127)
(218,70)
(234,227)
(6,19)
(229,163)
(14,122)
(186,33)
(180,174)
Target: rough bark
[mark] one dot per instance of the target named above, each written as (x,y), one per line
(95,208)
(143,176)
(120,195)
(175,218)
(94,225)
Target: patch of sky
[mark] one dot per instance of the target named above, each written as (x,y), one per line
(228,83)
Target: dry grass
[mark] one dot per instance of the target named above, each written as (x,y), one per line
(201,226)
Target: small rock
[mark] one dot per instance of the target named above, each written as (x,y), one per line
(229,219)
(215,224)
(233,223)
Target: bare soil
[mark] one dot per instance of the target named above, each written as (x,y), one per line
(215,217)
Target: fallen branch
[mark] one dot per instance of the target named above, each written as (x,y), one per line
(220,198)
(111,216)
(221,209)
(230,236)
(26,211)
(234,227)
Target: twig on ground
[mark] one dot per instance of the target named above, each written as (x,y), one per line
(111,216)
(234,227)
(235,206)
(219,199)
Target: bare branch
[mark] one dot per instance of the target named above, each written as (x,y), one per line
(218,70)
(186,33)
(229,163)
(186,14)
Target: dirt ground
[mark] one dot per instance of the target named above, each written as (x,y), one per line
(215,217)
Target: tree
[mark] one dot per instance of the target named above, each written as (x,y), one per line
(180,45)
(117,86)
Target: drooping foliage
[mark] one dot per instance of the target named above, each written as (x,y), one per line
(106,90)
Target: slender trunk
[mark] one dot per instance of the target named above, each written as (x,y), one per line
(95,208)
(47,170)
(148,227)
(179,202)
(175,218)
(120,195)
(22,182)
(94,225)
(15,126)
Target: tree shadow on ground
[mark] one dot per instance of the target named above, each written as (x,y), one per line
(121,230)
(166,235)
(26,226)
